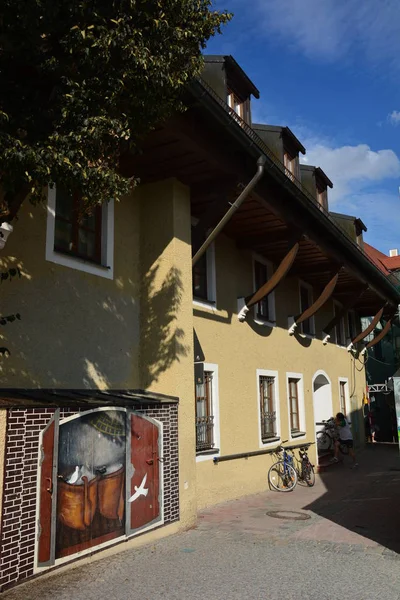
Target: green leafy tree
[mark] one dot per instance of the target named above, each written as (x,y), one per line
(81,81)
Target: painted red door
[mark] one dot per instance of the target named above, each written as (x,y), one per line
(47,494)
(145,483)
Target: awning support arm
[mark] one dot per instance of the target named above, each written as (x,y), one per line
(342,312)
(378,337)
(368,330)
(268,287)
(314,308)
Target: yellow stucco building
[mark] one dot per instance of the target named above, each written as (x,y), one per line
(117,421)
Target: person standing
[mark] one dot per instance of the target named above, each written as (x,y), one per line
(345,438)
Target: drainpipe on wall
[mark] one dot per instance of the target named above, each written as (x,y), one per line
(249,187)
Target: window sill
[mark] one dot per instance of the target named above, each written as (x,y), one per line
(308,336)
(264,322)
(212,451)
(297,434)
(81,259)
(271,440)
(207,304)
(79,264)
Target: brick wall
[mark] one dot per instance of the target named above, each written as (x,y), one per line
(17,541)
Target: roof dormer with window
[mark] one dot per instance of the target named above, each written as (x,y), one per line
(230,82)
(316,182)
(285,145)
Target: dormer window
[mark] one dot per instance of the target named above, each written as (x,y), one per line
(291,165)
(322,197)
(235,103)
(239,106)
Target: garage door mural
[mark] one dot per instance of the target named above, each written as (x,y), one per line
(100,479)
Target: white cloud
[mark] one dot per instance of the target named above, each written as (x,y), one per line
(380,211)
(363,180)
(352,168)
(394,117)
(331,29)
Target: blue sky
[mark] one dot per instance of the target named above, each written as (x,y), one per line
(330,70)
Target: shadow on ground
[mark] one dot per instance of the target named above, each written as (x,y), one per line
(365,500)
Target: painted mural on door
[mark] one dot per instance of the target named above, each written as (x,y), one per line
(99,480)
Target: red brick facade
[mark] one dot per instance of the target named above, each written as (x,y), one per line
(18,525)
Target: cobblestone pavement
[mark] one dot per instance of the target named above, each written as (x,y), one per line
(339,539)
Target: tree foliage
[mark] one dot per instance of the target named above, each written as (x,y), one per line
(81,81)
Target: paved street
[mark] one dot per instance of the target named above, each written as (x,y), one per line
(343,543)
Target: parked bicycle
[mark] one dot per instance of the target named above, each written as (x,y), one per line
(327,436)
(304,468)
(282,475)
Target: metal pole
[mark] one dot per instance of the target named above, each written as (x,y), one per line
(249,187)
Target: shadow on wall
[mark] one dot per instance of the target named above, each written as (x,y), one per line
(162,340)
(362,500)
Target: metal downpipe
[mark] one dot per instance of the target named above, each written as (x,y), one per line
(239,200)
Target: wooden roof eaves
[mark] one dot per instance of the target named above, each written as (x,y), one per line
(320,227)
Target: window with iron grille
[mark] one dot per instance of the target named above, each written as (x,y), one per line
(294,404)
(267,407)
(342,389)
(204,413)
(75,233)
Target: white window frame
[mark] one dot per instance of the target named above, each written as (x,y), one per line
(274,374)
(302,412)
(215,412)
(271,297)
(345,380)
(106,269)
(310,290)
(211,302)
(351,314)
(341,324)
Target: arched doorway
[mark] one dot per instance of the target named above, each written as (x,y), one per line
(322,400)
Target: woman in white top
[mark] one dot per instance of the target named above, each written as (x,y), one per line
(345,438)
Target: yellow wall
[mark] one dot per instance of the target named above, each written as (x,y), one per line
(239,349)
(77,329)
(166,359)
(83,331)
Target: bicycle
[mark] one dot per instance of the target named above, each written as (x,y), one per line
(304,468)
(282,475)
(326,438)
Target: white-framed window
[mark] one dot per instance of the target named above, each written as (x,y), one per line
(344,399)
(306,299)
(82,243)
(296,408)
(340,328)
(204,280)
(207,414)
(264,311)
(269,418)
(351,324)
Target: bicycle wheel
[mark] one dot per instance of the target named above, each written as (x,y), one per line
(308,474)
(282,477)
(343,449)
(324,441)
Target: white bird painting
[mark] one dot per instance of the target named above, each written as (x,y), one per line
(140,491)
